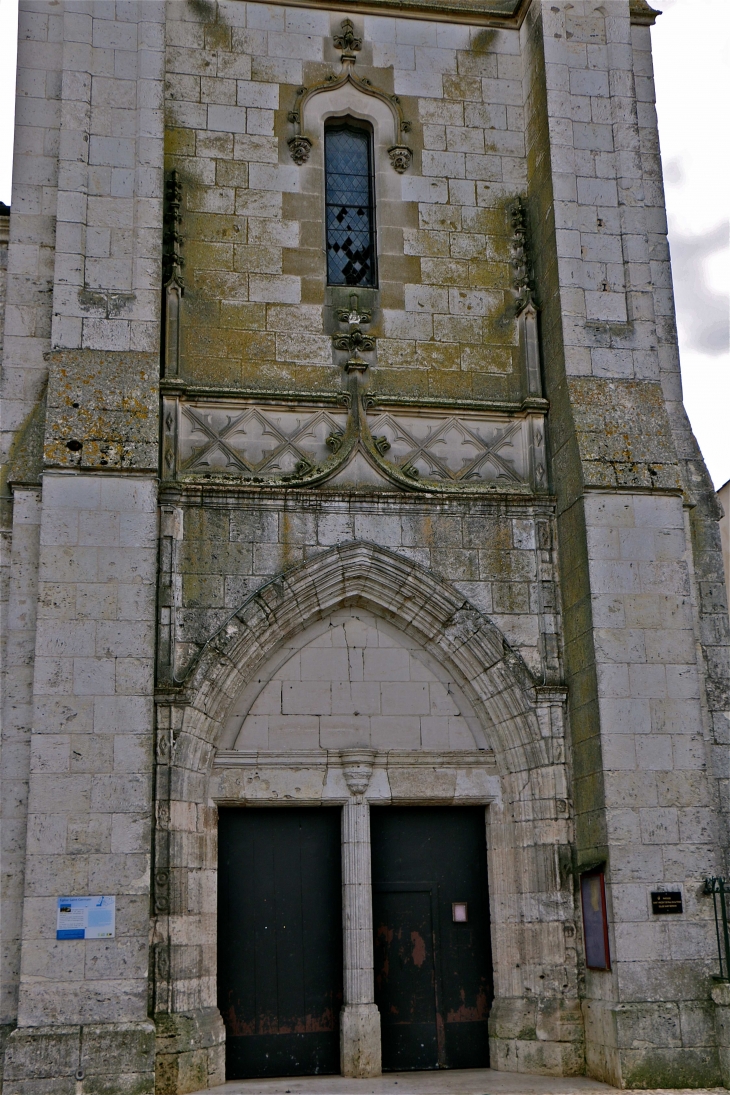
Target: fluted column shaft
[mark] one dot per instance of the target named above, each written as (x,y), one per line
(357,903)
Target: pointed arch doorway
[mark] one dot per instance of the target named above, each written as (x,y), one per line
(513,760)
(353,682)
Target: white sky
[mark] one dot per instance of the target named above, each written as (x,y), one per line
(691,48)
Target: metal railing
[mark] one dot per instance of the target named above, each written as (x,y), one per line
(718,887)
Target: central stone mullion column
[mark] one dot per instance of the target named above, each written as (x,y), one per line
(360,1053)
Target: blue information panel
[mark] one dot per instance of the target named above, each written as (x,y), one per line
(85,918)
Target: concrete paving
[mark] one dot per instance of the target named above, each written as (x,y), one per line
(478,1081)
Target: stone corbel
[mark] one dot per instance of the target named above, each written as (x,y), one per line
(300,144)
(357,768)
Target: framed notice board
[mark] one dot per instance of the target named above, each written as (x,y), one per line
(595,920)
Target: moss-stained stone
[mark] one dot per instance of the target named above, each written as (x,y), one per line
(25,460)
(102,410)
(623,433)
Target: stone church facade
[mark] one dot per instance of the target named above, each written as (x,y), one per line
(368,514)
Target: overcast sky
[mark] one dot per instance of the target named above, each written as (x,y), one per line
(691,49)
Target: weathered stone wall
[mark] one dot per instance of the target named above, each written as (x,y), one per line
(83,280)
(642,746)
(4,237)
(497,554)
(255,296)
(592,568)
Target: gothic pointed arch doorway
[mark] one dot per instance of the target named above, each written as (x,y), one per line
(266,724)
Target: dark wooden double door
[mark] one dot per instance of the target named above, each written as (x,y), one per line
(280,938)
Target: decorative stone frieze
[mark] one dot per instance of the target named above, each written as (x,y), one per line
(300,443)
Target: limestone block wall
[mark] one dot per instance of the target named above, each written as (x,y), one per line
(351,682)
(33,220)
(592,569)
(644,745)
(90,777)
(255,305)
(83,280)
(4,237)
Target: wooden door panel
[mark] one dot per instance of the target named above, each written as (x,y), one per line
(446,1028)
(280,940)
(405,975)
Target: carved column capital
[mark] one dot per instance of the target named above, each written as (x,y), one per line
(357,766)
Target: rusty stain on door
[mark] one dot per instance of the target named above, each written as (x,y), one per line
(280,940)
(433,973)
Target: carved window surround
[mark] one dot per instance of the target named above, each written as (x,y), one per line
(301,142)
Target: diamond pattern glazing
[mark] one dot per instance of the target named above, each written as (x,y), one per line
(349,206)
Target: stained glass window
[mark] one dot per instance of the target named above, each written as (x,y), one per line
(349,206)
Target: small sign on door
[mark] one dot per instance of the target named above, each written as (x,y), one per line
(86,918)
(459,912)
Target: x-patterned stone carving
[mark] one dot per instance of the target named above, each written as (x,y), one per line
(257,441)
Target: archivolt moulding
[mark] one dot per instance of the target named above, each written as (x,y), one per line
(494,679)
(300,144)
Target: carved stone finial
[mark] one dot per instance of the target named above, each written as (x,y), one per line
(521,279)
(348,40)
(173,260)
(357,767)
(299,148)
(400,157)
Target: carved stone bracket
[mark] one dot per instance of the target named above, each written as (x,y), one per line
(400,157)
(357,768)
(300,144)
(354,341)
(299,149)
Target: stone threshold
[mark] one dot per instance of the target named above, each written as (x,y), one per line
(479,1081)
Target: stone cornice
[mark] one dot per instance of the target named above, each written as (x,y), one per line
(508,14)
(642,14)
